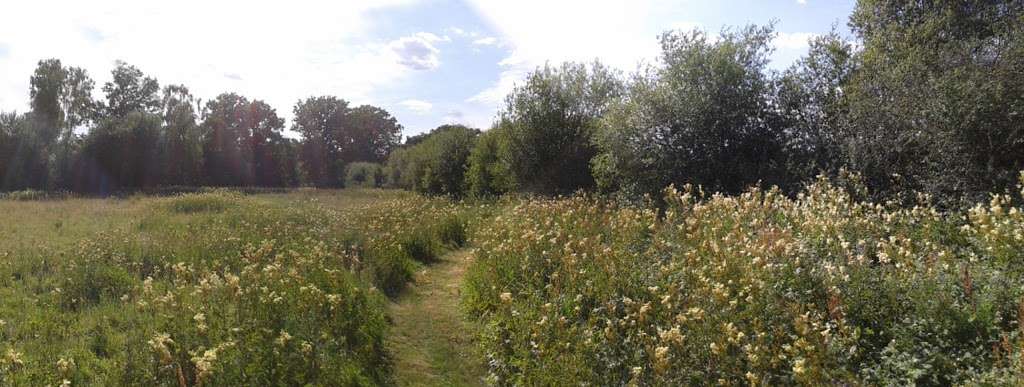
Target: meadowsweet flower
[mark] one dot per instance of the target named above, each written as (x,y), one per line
(283,338)
(65,365)
(798,367)
(13,358)
(204,364)
(200,320)
(160,344)
(661,363)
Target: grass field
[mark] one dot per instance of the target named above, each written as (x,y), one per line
(213,288)
(378,287)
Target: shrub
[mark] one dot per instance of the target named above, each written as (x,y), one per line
(437,163)
(89,283)
(549,121)
(363,175)
(488,174)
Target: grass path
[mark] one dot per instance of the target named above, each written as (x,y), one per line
(431,341)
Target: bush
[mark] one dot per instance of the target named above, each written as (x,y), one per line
(452,231)
(364,175)
(437,163)
(488,174)
(92,282)
(703,116)
(549,122)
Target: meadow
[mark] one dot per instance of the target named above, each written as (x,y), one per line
(385,287)
(822,288)
(213,288)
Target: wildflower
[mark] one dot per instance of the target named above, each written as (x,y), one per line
(65,365)
(13,358)
(671,336)
(147,285)
(200,320)
(798,367)
(159,344)
(661,359)
(506,297)
(204,364)
(283,339)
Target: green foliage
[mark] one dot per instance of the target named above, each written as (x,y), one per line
(488,173)
(965,57)
(23,153)
(182,145)
(703,116)
(754,289)
(89,283)
(812,107)
(437,164)
(118,154)
(130,91)
(244,144)
(364,175)
(335,135)
(548,123)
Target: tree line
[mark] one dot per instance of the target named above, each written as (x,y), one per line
(925,97)
(143,136)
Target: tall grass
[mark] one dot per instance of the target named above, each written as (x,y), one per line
(209,288)
(758,289)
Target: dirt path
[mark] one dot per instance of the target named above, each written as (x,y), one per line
(431,340)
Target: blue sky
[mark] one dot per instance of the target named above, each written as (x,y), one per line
(428,62)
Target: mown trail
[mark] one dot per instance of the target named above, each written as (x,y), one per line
(431,341)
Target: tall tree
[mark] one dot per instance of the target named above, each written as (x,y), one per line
(810,97)
(937,103)
(244,144)
(121,153)
(61,100)
(182,142)
(703,117)
(372,133)
(335,135)
(23,164)
(318,119)
(131,91)
(549,123)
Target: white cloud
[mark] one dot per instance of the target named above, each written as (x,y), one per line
(619,33)
(417,106)
(801,2)
(417,51)
(456,31)
(793,40)
(278,52)
(488,41)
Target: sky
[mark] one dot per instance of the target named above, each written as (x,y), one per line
(428,62)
